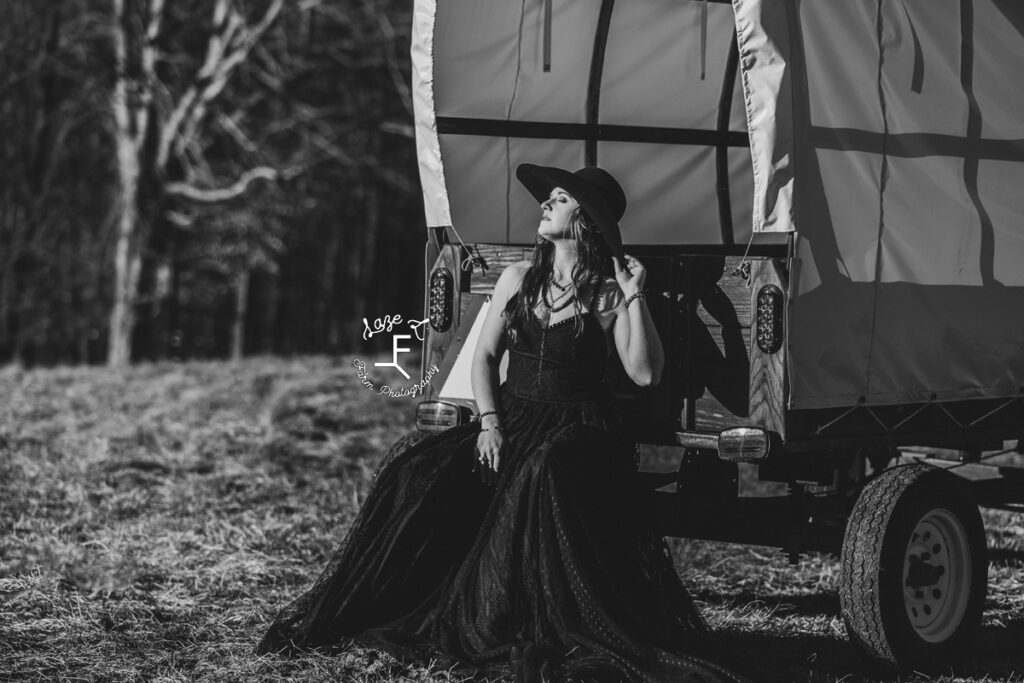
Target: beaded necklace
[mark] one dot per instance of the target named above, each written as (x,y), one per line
(552,309)
(556,284)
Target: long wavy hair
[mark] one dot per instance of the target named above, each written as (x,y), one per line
(593,265)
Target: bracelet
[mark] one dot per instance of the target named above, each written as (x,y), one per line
(495,428)
(642,294)
(480,416)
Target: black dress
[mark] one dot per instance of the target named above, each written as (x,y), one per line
(549,572)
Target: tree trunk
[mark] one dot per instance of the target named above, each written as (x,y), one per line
(127,266)
(127,256)
(329,289)
(273,334)
(238,324)
(126,251)
(131,118)
(174,339)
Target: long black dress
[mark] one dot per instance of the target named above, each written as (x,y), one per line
(548,572)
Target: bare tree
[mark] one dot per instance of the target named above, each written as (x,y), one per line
(149,108)
(135,133)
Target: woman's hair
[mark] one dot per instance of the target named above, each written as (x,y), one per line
(593,265)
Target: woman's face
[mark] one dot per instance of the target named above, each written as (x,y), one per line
(556,212)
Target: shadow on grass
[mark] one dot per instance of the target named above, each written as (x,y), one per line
(997,650)
(816,604)
(766,656)
(772,657)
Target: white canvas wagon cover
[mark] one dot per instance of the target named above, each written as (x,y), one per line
(887,134)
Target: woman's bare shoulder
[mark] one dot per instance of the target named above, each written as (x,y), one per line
(515,271)
(511,278)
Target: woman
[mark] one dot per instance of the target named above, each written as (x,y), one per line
(514,542)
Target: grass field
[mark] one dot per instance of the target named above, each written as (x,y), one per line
(152,521)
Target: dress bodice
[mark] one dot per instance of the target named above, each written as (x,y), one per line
(553,364)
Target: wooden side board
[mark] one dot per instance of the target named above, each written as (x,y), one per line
(768,377)
(714,321)
(497,258)
(440,344)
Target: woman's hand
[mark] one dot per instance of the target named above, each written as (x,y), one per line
(490,445)
(631,281)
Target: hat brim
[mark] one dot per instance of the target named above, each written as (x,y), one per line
(540,180)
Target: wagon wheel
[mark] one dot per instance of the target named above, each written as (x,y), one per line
(914,570)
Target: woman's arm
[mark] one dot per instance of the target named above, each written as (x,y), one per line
(636,338)
(490,347)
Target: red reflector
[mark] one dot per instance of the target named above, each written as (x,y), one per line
(441,298)
(769,319)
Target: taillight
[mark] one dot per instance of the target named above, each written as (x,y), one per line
(769,319)
(437,416)
(442,288)
(744,444)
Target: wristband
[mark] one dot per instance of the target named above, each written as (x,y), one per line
(642,294)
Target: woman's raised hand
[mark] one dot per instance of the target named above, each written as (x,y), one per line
(631,281)
(490,445)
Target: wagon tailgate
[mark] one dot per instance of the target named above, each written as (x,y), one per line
(725,380)
(712,365)
(701,306)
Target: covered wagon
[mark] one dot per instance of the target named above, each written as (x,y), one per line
(829,200)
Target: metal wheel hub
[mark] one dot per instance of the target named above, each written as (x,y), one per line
(937,575)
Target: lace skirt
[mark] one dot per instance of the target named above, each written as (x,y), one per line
(549,572)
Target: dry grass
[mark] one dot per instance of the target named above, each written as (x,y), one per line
(152,521)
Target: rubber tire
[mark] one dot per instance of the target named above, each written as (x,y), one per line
(871,567)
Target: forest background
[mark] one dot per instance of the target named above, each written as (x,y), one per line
(203,178)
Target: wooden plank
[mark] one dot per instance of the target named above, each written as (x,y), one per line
(439,343)
(725,301)
(715,342)
(713,417)
(498,257)
(720,376)
(768,380)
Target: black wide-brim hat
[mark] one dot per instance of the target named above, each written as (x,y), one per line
(597,192)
